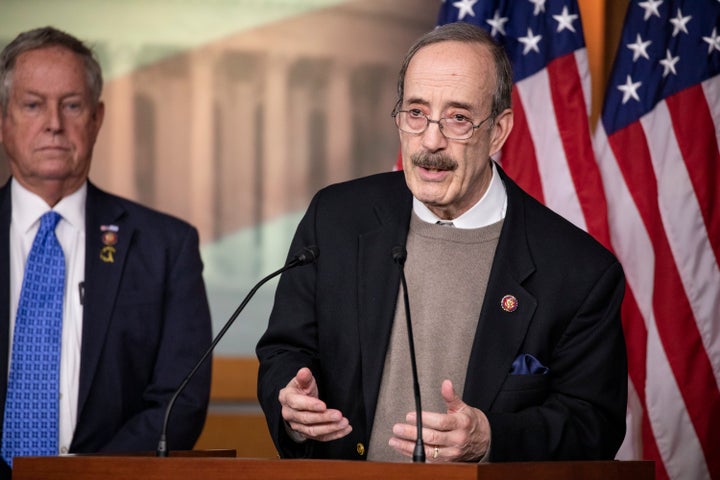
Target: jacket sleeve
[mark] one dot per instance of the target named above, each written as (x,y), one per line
(290,341)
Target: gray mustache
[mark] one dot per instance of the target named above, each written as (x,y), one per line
(437,162)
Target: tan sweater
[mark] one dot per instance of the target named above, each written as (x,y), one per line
(447,271)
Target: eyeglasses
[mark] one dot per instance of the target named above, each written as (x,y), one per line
(456,127)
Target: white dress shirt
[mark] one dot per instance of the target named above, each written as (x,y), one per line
(27,208)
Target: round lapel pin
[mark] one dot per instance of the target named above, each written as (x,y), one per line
(109,238)
(509,303)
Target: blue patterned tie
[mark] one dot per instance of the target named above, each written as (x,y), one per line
(30,426)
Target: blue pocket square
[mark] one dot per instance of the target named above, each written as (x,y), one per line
(526,364)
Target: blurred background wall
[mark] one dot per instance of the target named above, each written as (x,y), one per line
(231,114)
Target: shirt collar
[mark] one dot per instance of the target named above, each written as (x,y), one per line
(488,210)
(27,207)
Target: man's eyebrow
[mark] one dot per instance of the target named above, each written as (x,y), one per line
(452,104)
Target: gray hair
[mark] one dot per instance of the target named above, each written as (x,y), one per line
(42,38)
(466,33)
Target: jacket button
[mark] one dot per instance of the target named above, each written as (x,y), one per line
(360,449)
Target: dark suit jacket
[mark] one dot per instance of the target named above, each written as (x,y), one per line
(146,322)
(335,317)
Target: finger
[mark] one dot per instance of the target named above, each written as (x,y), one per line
(452,400)
(407,449)
(404,431)
(433,453)
(408,432)
(335,435)
(444,452)
(402,446)
(432,421)
(304,378)
(293,398)
(305,382)
(441,454)
(306,417)
(323,431)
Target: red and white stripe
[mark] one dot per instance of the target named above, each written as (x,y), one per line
(551,123)
(661,176)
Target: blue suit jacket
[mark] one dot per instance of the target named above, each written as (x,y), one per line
(146,322)
(336,316)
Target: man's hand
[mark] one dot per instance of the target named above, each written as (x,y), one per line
(460,435)
(308,416)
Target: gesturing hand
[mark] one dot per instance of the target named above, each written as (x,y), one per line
(460,435)
(308,416)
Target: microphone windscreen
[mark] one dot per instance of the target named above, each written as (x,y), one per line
(308,255)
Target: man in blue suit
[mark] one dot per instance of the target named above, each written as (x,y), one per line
(516,312)
(135,316)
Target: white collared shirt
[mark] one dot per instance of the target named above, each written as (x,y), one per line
(27,208)
(489,209)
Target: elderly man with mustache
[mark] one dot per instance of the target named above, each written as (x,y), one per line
(515,312)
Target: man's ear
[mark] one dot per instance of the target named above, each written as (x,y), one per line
(99,115)
(501,129)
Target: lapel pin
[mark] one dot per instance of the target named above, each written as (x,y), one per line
(109,239)
(509,303)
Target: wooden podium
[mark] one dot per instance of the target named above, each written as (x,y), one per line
(217,468)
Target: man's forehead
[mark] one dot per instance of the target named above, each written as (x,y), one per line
(459,72)
(462,56)
(49,70)
(50,56)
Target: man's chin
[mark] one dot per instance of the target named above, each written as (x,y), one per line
(431,197)
(50,172)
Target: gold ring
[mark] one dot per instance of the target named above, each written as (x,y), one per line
(436,452)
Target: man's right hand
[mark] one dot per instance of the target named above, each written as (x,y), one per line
(308,416)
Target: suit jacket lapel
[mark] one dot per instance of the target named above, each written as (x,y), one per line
(378,281)
(102,278)
(500,333)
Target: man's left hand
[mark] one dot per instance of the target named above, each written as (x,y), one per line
(460,435)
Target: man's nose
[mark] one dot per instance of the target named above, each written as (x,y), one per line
(433,138)
(53,119)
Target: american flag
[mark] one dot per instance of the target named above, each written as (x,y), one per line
(657,148)
(657,163)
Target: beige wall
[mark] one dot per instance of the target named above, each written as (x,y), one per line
(245,129)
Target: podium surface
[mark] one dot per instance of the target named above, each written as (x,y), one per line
(212,468)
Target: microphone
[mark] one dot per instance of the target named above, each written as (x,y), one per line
(399,255)
(306,256)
